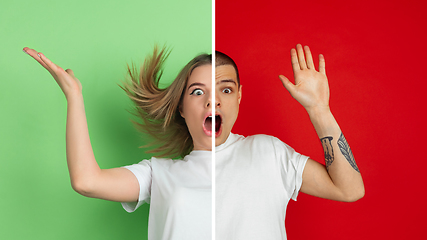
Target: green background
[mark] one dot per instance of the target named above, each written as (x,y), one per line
(96,39)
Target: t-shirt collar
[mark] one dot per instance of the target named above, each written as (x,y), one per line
(230,140)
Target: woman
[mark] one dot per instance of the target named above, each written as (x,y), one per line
(179,119)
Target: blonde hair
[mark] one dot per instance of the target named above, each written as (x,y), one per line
(159,109)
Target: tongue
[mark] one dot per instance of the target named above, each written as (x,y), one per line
(217,123)
(208,124)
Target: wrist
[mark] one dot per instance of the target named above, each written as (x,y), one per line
(323,121)
(318,111)
(74,97)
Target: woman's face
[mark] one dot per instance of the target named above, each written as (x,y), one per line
(197,107)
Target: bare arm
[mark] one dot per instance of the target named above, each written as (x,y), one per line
(117,184)
(340,179)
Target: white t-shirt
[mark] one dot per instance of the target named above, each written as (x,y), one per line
(180,196)
(255,179)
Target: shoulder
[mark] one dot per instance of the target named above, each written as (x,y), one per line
(264,139)
(142,164)
(268,143)
(153,163)
(164,161)
(259,143)
(234,138)
(155,159)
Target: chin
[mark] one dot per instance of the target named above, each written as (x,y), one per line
(220,139)
(205,146)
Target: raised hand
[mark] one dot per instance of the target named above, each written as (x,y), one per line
(66,80)
(311,87)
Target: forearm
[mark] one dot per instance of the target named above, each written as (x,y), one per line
(339,159)
(117,184)
(82,165)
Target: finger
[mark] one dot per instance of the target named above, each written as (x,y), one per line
(25,49)
(309,58)
(294,60)
(322,64)
(287,84)
(55,68)
(33,53)
(301,59)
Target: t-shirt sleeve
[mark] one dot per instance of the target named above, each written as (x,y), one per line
(143,172)
(292,167)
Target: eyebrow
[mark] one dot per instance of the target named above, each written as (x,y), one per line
(227,81)
(195,84)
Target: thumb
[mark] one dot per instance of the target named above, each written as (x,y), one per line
(287,84)
(69,71)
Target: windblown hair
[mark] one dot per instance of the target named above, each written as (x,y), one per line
(224,59)
(159,109)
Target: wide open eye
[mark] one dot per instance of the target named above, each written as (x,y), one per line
(197,92)
(226,90)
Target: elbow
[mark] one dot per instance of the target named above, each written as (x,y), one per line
(354,195)
(82,187)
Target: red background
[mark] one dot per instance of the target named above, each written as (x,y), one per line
(376,65)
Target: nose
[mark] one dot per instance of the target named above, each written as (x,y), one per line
(217,102)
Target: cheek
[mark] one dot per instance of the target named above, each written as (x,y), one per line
(192,109)
(235,112)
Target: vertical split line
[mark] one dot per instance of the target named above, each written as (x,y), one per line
(213,119)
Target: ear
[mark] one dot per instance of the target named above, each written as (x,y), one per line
(240,93)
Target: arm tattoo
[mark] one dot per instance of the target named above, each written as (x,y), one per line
(346,151)
(329,151)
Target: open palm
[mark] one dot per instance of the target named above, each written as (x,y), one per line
(66,80)
(311,87)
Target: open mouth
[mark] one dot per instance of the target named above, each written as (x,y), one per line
(207,125)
